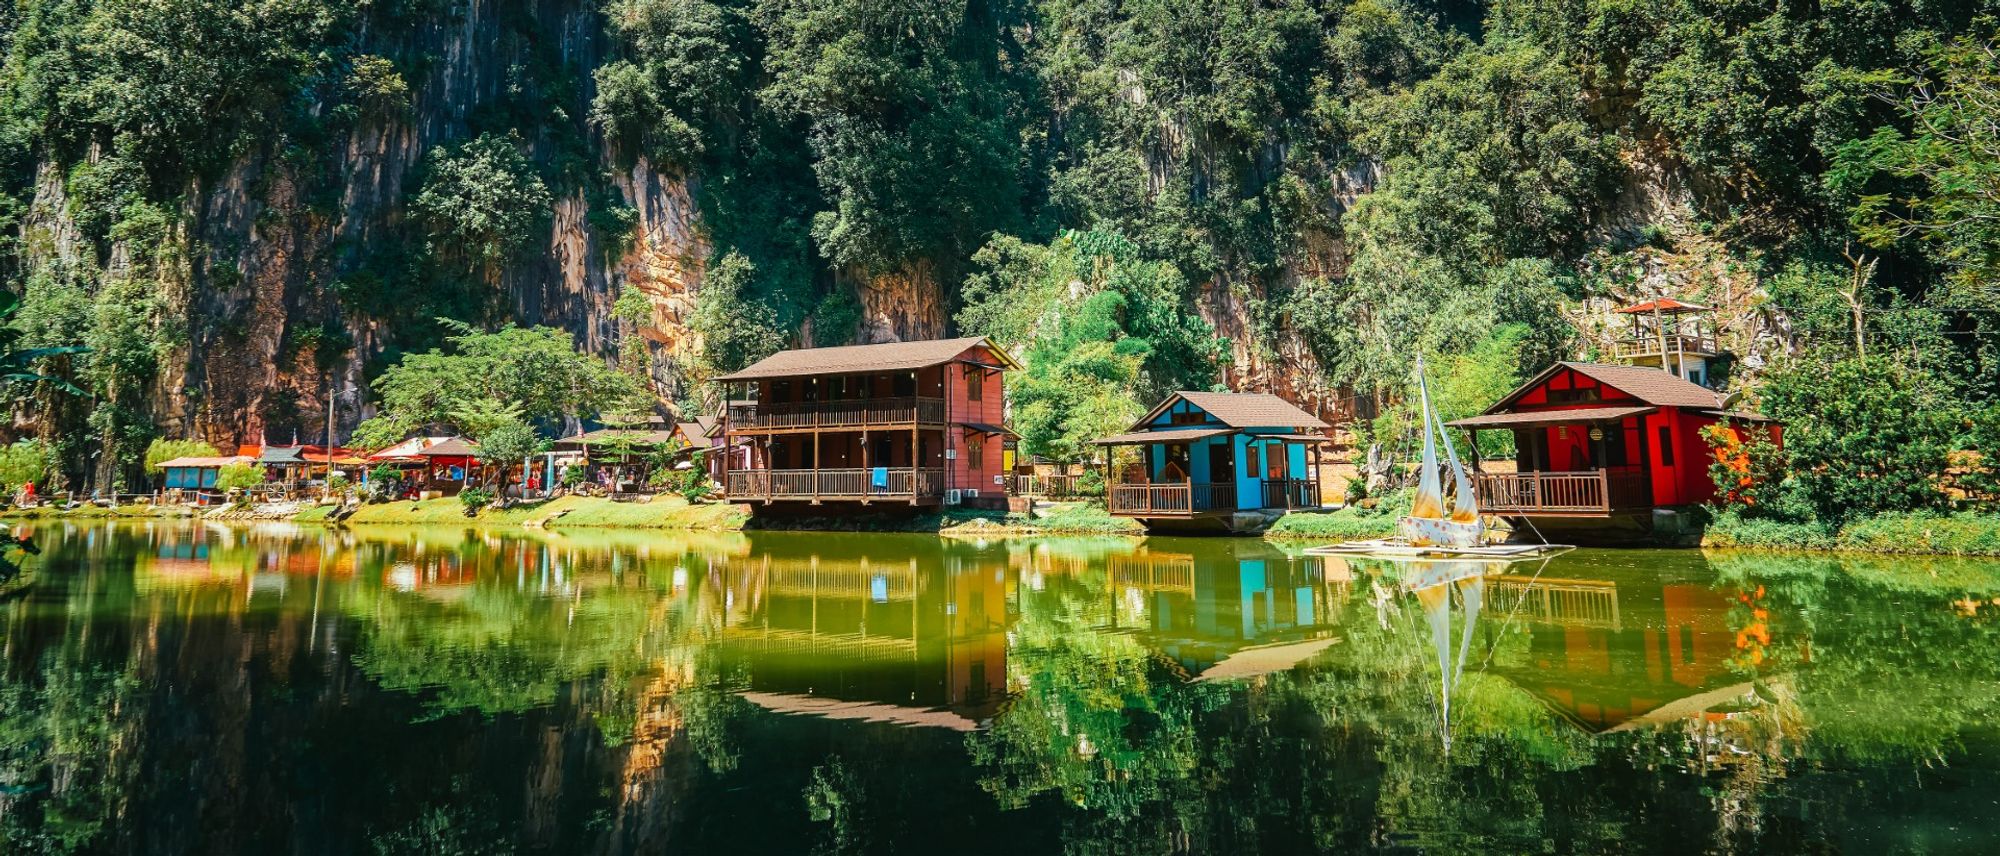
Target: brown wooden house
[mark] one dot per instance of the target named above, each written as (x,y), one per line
(917,423)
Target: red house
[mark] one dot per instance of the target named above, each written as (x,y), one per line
(908,422)
(1603,443)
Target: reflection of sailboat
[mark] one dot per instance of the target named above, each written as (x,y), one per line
(1433,583)
(1429,529)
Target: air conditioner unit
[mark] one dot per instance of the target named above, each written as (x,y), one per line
(969,493)
(951,497)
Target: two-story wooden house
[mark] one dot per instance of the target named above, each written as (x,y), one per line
(917,423)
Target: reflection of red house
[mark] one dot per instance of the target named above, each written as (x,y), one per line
(1602,441)
(1612,653)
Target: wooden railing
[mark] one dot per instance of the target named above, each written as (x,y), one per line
(838,414)
(1291,493)
(1050,485)
(1172,497)
(901,483)
(1649,346)
(1590,492)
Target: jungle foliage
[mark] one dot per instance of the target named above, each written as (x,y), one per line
(1367,179)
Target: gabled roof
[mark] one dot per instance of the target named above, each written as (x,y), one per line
(1653,386)
(856,359)
(407,449)
(282,455)
(1666,305)
(1239,410)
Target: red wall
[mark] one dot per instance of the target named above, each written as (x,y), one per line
(966,471)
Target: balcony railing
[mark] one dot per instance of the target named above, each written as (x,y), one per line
(1291,493)
(842,484)
(857,413)
(1649,346)
(1049,485)
(1589,492)
(1172,497)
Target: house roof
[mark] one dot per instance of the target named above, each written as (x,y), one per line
(407,449)
(205,461)
(1550,417)
(614,435)
(456,447)
(1666,305)
(1170,435)
(1240,410)
(282,455)
(1652,386)
(856,359)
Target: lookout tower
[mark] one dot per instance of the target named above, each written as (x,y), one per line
(1668,334)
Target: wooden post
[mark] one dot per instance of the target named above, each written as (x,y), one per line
(867,472)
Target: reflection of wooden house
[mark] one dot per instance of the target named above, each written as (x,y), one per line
(1604,653)
(848,637)
(1205,607)
(917,423)
(1218,461)
(1602,442)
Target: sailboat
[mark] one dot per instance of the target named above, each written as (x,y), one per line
(1428,524)
(1430,529)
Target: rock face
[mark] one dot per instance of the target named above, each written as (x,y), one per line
(274,236)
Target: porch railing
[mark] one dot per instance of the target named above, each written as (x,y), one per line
(854,483)
(838,414)
(1649,346)
(1171,497)
(1587,492)
(1291,493)
(1039,485)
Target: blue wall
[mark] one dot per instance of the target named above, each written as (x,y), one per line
(1249,485)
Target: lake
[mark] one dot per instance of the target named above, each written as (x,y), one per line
(181,688)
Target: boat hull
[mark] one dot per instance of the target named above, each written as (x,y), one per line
(1433,531)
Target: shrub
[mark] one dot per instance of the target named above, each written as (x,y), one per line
(474,498)
(240,476)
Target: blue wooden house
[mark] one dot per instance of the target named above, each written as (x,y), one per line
(1218,461)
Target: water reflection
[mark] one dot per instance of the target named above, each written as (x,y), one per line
(200,688)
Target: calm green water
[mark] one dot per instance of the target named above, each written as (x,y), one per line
(188,689)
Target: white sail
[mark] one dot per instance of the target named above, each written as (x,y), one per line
(1464,503)
(1429,502)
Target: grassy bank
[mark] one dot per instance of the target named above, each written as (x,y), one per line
(1068,518)
(1352,523)
(663,512)
(94,512)
(1931,534)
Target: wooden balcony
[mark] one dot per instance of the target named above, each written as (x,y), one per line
(817,415)
(1649,346)
(903,483)
(1593,493)
(1171,498)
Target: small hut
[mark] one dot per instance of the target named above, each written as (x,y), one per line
(1219,461)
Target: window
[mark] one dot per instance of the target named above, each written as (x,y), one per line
(975,450)
(1275,459)
(1666,446)
(1187,417)
(1250,457)
(975,384)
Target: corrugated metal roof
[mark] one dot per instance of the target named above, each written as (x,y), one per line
(855,359)
(1550,417)
(1240,410)
(1167,435)
(206,462)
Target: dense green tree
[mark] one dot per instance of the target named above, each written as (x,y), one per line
(1863,435)
(481,200)
(488,381)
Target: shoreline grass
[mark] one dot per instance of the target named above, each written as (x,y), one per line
(1915,534)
